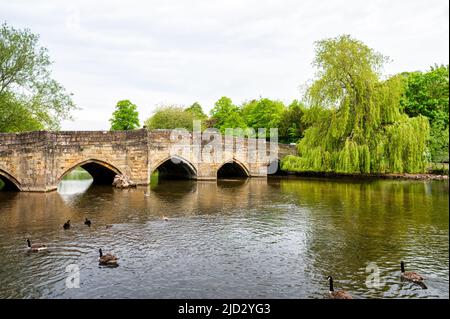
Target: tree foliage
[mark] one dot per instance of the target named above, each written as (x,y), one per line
(293,123)
(196,111)
(426,93)
(263,113)
(226,115)
(173,117)
(125,117)
(364,130)
(30,99)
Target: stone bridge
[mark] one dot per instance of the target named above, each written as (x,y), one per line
(38,161)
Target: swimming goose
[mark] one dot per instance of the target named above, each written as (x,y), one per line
(108,259)
(340,294)
(412,276)
(87,222)
(66,224)
(35,247)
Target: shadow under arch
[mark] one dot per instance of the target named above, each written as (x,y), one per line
(9,181)
(175,167)
(102,172)
(231,183)
(233,168)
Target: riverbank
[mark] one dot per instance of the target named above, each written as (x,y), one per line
(426,176)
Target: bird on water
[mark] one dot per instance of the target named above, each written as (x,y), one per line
(66,224)
(412,276)
(107,259)
(339,294)
(35,247)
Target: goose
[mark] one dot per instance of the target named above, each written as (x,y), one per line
(35,247)
(87,222)
(340,294)
(66,224)
(411,276)
(107,260)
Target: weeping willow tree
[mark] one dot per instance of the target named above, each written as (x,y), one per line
(357,123)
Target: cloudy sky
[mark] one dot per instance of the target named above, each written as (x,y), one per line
(179,52)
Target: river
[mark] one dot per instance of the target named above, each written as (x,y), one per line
(254,238)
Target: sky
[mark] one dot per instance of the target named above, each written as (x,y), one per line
(179,52)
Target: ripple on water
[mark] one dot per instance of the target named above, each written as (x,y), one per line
(228,241)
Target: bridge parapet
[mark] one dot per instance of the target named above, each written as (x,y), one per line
(37,161)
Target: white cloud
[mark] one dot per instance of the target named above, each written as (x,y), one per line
(184,51)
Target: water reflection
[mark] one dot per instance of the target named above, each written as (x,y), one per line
(74,187)
(233,238)
(377,221)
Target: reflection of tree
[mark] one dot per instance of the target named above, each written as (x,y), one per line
(354,223)
(29,210)
(312,228)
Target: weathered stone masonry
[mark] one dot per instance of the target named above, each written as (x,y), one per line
(37,161)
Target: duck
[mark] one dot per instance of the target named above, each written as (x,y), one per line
(66,224)
(35,247)
(412,276)
(107,259)
(87,222)
(340,294)
(164,218)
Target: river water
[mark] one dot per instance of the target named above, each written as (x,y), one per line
(254,238)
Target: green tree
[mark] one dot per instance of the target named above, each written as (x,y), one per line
(197,111)
(171,117)
(125,117)
(30,98)
(292,124)
(226,115)
(263,113)
(426,93)
(364,130)
(15,116)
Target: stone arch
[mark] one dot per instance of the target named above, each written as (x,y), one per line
(101,171)
(175,167)
(11,183)
(233,168)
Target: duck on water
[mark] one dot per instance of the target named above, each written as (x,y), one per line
(412,276)
(338,294)
(35,247)
(107,259)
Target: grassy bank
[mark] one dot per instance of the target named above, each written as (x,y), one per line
(435,171)
(438,168)
(363,176)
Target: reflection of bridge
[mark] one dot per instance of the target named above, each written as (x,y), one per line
(37,161)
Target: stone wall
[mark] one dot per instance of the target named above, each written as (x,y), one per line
(37,161)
